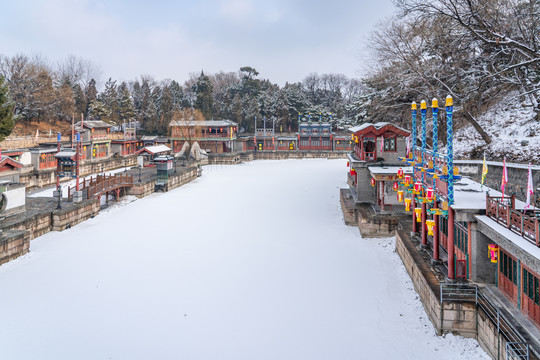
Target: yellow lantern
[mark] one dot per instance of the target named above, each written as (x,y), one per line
(400,195)
(430,226)
(418,213)
(408,202)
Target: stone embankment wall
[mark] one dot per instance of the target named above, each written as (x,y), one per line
(350,214)
(12,245)
(235,158)
(459,318)
(66,218)
(53,220)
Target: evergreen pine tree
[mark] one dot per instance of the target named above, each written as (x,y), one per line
(126,110)
(6,111)
(177,95)
(91,95)
(110,101)
(237,109)
(80,100)
(203,91)
(97,110)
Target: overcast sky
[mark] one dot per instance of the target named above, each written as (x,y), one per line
(284,40)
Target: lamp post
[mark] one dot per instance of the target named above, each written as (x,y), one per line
(175,166)
(59,189)
(184,161)
(139,173)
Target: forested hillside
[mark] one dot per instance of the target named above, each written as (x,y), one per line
(485,53)
(40,91)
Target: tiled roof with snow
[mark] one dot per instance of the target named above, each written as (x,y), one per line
(203,123)
(377,126)
(93,124)
(155,149)
(389,170)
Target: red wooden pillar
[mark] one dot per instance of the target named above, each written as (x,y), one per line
(414,214)
(423,224)
(363,155)
(451,243)
(436,238)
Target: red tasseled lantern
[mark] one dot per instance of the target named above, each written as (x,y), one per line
(396,186)
(417,186)
(400,173)
(347,164)
(372,182)
(408,179)
(430,194)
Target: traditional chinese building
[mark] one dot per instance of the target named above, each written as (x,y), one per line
(149,153)
(95,137)
(43,158)
(216,136)
(315,136)
(374,163)
(129,144)
(9,168)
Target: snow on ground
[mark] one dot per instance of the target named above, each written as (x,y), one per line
(508,122)
(250,261)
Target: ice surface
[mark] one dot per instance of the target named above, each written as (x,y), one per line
(250,261)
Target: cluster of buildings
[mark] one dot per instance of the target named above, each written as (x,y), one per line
(212,136)
(472,232)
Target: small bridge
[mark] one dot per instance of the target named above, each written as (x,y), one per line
(95,187)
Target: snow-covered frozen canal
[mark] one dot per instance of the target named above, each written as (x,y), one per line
(250,261)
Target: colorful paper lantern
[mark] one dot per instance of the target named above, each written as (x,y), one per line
(430,194)
(400,195)
(400,173)
(347,164)
(418,214)
(408,202)
(430,226)
(493,252)
(408,179)
(396,186)
(372,182)
(417,186)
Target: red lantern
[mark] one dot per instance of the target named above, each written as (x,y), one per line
(395,186)
(347,164)
(400,173)
(417,186)
(372,182)
(430,194)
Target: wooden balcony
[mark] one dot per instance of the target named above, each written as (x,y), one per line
(521,222)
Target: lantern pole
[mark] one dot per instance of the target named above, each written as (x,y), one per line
(78,159)
(450,148)
(413,147)
(58,188)
(423,113)
(435,113)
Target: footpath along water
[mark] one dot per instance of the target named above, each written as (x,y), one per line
(250,261)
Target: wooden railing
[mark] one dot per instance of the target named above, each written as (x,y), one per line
(503,211)
(102,183)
